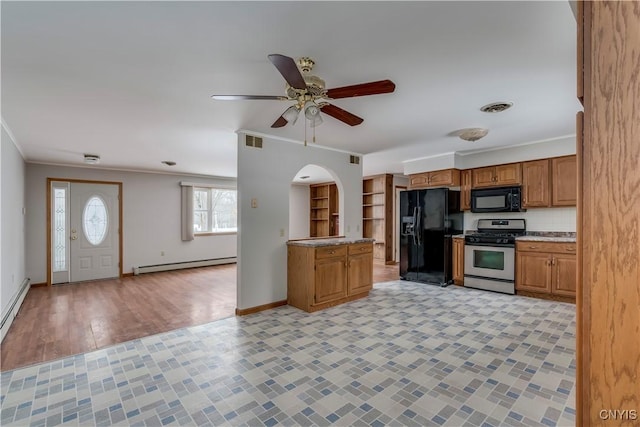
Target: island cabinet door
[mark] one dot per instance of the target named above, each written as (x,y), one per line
(360,273)
(331,279)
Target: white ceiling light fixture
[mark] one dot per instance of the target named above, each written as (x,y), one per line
(91,159)
(472,134)
(292,113)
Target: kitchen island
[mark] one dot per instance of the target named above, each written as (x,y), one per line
(322,273)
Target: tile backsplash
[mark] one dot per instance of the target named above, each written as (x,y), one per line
(539,219)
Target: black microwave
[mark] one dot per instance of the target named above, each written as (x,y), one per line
(502,199)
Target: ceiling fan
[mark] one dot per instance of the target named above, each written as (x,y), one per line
(309,93)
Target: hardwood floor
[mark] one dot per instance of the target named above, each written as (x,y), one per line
(62,320)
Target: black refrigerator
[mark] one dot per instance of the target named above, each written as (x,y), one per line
(428,219)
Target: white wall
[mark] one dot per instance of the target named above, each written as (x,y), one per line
(265,175)
(299,209)
(538,219)
(12,230)
(151,218)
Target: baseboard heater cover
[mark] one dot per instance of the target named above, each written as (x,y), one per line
(181,265)
(14,307)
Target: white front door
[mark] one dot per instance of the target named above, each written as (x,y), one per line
(91,228)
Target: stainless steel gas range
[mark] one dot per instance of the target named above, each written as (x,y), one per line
(489,255)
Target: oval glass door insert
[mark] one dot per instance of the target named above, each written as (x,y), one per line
(94,220)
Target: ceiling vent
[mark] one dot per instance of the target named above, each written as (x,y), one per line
(91,159)
(496,107)
(253,141)
(355,160)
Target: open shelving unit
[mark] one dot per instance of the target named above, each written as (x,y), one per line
(324,217)
(377,215)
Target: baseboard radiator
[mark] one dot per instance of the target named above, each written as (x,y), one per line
(14,306)
(180,265)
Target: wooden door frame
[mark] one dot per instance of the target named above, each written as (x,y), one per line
(83,181)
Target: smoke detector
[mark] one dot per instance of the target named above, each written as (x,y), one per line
(91,159)
(472,134)
(496,107)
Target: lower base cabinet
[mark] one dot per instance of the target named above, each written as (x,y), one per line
(458,261)
(546,269)
(323,276)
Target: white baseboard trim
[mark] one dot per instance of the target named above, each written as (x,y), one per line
(180,265)
(13,308)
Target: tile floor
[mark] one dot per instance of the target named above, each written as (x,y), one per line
(409,354)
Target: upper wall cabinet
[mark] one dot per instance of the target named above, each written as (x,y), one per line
(465,189)
(497,176)
(536,190)
(565,181)
(441,178)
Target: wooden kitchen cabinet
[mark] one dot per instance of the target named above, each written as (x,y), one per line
(497,176)
(440,178)
(360,268)
(323,276)
(536,189)
(565,181)
(465,189)
(458,260)
(546,269)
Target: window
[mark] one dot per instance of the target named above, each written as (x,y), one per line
(214,211)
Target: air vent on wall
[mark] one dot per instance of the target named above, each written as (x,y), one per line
(253,141)
(354,159)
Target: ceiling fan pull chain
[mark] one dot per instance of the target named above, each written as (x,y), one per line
(314,135)
(305,133)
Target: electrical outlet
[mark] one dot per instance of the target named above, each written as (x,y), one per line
(282,232)
(254,203)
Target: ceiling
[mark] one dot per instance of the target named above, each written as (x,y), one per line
(131,81)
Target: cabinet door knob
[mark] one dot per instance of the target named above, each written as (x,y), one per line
(332,252)
(533,247)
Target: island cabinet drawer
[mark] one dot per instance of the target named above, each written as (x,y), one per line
(331,251)
(360,248)
(551,247)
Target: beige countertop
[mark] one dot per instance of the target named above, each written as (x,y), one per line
(330,242)
(562,239)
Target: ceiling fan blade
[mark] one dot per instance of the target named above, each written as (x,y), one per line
(342,115)
(243,97)
(280,122)
(363,89)
(289,70)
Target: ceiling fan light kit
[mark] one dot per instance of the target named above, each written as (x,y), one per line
(309,94)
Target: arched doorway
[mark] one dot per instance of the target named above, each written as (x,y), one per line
(315,203)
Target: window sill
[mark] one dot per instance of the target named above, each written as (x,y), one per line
(219,233)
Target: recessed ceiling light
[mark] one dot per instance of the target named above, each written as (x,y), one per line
(91,159)
(305,177)
(496,107)
(168,163)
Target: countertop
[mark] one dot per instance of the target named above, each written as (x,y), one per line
(329,242)
(562,239)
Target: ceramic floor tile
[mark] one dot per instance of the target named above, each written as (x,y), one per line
(409,354)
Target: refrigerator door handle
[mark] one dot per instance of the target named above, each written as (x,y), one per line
(419,226)
(413,230)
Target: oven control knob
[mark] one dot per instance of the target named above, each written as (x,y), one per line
(503,241)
